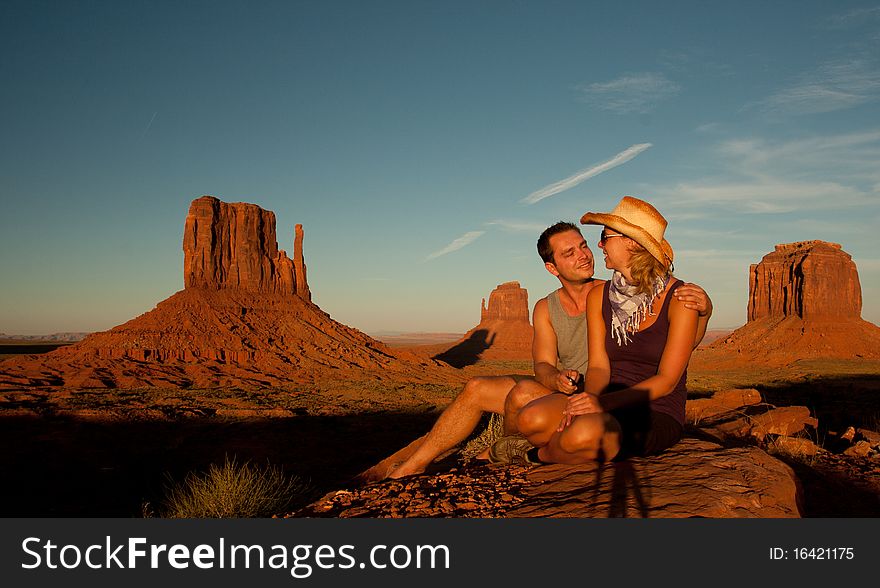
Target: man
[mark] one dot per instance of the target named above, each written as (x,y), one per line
(560,340)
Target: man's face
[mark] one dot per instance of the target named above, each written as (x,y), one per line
(572,258)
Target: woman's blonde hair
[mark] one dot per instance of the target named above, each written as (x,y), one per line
(645,269)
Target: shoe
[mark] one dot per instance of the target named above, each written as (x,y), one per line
(511,449)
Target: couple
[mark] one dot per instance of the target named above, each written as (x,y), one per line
(637,330)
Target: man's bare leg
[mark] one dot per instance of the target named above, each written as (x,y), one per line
(458,420)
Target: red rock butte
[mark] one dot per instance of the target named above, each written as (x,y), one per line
(805,302)
(504,331)
(234,246)
(244,319)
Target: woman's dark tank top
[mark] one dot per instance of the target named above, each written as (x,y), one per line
(639,359)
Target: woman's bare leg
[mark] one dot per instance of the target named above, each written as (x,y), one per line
(587,438)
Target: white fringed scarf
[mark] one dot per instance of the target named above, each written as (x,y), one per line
(630,307)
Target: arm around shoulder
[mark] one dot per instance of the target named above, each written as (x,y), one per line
(695,297)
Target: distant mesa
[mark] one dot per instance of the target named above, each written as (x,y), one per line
(805,302)
(244,319)
(504,331)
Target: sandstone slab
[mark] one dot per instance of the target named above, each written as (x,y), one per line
(693,479)
(795,446)
(720,403)
(786,420)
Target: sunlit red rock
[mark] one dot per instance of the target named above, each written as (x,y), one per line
(507,302)
(244,320)
(804,303)
(808,280)
(503,333)
(234,246)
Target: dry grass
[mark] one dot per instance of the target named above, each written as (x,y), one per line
(804,450)
(494,429)
(233,490)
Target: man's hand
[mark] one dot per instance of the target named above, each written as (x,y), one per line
(578,404)
(694,298)
(567,381)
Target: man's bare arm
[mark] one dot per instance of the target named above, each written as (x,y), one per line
(545,353)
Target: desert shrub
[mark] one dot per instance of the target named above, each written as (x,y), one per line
(233,490)
(494,429)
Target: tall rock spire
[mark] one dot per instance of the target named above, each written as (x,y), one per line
(299,265)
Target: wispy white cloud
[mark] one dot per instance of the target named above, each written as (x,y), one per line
(457,244)
(637,93)
(858,16)
(832,86)
(519,226)
(585,174)
(766,196)
(847,157)
(832,173)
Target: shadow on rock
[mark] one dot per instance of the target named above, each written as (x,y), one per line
(468,351)
(625,483)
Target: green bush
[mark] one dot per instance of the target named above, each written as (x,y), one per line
(233,490)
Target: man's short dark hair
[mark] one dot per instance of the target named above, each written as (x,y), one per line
(544,249)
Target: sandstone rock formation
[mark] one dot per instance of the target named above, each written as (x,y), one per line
(804,302)
(693,479)
(504,331)
(808,280)
(299,265)
(507,302)
(234,246)
(244,319)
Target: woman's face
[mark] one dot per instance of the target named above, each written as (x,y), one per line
(616,248)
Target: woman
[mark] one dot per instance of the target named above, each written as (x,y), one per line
(640,339)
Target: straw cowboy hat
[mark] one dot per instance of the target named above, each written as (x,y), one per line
(639,221)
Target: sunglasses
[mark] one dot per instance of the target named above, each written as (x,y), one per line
(606,235)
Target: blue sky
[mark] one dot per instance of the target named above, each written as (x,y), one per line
(408,137)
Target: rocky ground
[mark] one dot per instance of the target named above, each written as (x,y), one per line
(108,452)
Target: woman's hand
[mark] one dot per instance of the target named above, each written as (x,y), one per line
(578,404)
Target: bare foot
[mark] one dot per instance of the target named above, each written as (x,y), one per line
(399,470)
(483,455)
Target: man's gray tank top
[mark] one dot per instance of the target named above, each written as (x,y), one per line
(571,335)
